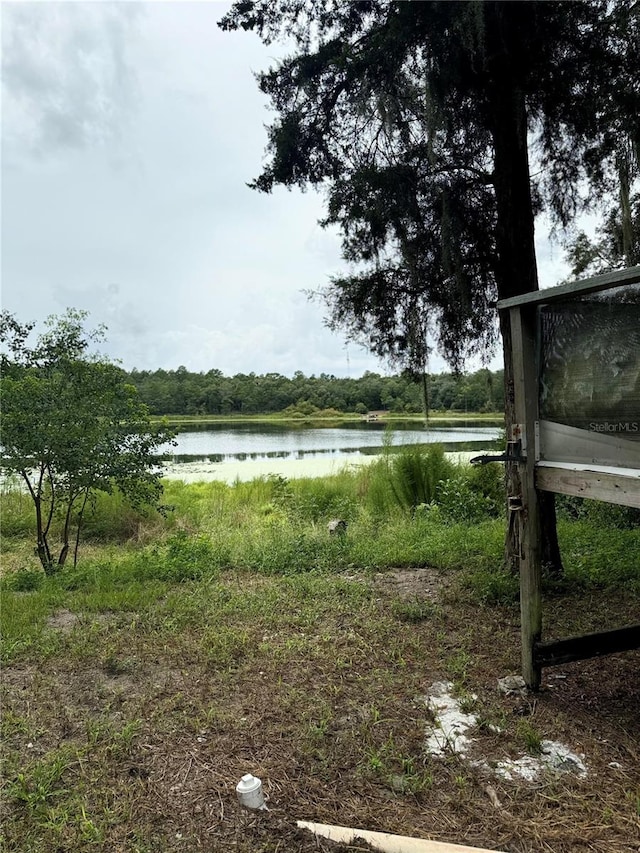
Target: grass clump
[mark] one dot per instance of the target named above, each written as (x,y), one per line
(493,586)
(407,479)
(25,580)
(529,736)
(38,786)
(600,556)
(413,610)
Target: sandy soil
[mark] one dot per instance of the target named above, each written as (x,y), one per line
(130,732)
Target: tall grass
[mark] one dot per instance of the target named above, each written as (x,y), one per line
(413,508)
(16,511)
(108,517)
(408,479)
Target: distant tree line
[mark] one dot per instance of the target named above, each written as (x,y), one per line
(180,392)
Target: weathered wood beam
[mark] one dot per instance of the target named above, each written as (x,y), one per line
(607,280)
(525,382)
(622,487)
(588,646)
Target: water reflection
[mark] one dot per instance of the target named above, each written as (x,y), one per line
(256,442)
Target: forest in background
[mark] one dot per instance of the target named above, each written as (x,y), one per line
(180,392)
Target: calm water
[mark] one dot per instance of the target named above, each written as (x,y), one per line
(231,443)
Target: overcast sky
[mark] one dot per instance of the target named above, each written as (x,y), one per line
(129,131)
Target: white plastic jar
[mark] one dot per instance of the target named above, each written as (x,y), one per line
(249,791)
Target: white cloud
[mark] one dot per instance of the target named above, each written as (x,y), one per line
(129,133)
(68,81)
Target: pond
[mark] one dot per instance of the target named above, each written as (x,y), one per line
(226,442)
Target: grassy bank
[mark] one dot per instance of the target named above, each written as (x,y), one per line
(234,634)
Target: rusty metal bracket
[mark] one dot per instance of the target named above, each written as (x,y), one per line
(513,453)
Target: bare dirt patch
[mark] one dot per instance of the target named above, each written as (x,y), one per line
(63,620)
(414,583)
(318,690)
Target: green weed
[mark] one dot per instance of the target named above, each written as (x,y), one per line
(411,779)
(458,666)
(413,610)
(634,798)
(224,647)
(103,733)
(319,727)
(530,737)
(495,586)
(375,761)
(12,724)
(37,787)
(468,702)
(25,580)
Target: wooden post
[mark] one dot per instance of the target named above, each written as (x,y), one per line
(523,337)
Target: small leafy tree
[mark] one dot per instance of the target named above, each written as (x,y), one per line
(71,426)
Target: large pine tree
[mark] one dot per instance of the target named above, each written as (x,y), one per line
(419,120)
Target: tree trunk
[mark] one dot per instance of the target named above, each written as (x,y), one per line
(79,527)
(424,384)
(65,534)
(517,271)
(42,545)
(42,548)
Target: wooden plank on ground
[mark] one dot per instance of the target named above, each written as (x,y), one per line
(386,842)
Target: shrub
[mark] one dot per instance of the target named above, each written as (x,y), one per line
(109,517)
(408,479)
(182,557)
(488,481)
(316,500)
(24,580)
(459,502)
(598,513)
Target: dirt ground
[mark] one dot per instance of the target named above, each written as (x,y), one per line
(152,725)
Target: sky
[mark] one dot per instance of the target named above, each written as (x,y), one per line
(129,133)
